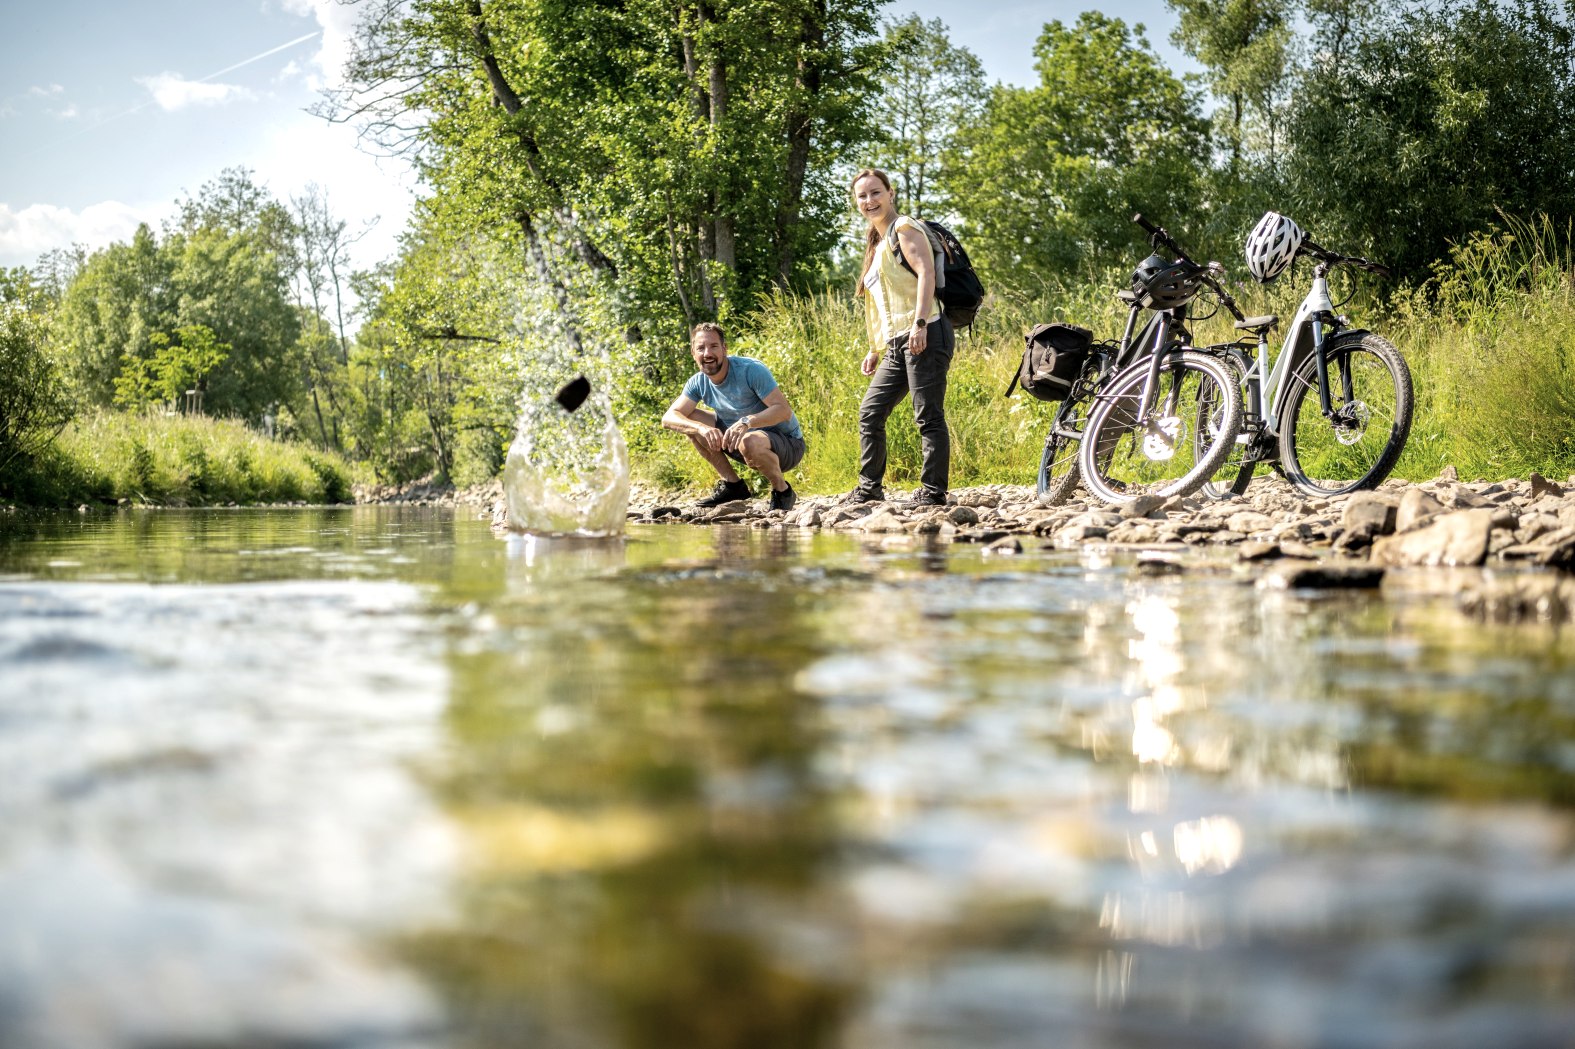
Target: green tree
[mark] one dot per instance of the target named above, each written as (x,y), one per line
(676,153)
(121,295)
(177,366)
(34,404)
(1423,131)
(930,90)
(1048,179)
(219,266)
(1246,46)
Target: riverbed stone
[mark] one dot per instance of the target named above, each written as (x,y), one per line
(1416,508)
(1143,506)
(1248,522)
(1454,539)
(1323,575)
(1526,524)
(1519,599)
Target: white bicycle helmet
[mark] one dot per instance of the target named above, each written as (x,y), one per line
(1272,245)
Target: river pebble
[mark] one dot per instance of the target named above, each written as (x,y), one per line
(1523,526)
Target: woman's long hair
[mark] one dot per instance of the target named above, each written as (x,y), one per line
(872,238)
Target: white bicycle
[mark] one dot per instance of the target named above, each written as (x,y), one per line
(1334,412)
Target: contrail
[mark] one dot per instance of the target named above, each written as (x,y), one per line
(258,58)
(147,102)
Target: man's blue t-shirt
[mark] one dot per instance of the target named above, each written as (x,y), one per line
(743,393)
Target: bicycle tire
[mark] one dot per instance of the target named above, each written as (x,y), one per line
(1123,455)
(1358,450)
(1058,471)
(1235,473)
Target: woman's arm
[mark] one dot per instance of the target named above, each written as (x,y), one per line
(916,249)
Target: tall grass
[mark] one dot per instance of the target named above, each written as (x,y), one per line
(176,460)
(1489,337)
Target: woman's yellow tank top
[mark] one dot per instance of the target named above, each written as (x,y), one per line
(891,292)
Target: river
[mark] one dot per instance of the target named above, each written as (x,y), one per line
(374,777)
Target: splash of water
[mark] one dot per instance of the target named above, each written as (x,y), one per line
(567,472)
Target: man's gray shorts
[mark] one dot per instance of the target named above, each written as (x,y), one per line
(789,449)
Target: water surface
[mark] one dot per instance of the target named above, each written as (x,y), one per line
(374,777)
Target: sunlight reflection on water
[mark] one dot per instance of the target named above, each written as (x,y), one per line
(413,785)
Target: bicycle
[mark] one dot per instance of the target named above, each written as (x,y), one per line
(1334,413)
(1165,423)
(1059,470)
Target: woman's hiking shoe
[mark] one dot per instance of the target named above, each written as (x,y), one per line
(862,494)
(925,497)
(725,492)
(784,499)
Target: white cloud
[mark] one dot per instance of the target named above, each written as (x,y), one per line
(71,112)
(337,21)
(45,92)
(37,228)
(172,91)
(361,188)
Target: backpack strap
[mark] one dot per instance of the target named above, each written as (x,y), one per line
(938,249)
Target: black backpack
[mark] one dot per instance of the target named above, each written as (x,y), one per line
(957,286)
(1052,360)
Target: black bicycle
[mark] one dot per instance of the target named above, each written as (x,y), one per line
(1143,433)
(1161,288)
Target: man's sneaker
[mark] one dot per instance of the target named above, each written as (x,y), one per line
(925,497)
(784,499)
(725,492)
(862,494)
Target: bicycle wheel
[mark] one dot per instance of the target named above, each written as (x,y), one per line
(1127,451)
(1058,472)
(1235,472)
(1370,394)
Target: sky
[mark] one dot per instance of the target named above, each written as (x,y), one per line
(111,111)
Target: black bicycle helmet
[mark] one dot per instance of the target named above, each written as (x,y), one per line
(1161,284)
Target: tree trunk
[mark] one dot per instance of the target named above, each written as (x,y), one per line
(800,124)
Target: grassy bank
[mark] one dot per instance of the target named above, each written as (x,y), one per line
(1490,339)
(173,460)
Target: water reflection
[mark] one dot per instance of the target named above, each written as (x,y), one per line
(755,787)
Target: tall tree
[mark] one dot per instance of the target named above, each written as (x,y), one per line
(1246,46)
(931,89)
(1422,132)
(1048,178)
(674,154)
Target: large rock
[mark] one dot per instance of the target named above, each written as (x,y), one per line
(1249,521)
(1323,575)
(1369,514)
(1416,508)
(1451,540)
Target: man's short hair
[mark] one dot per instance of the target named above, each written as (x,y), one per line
(704,326)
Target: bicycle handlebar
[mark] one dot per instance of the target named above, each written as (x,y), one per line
(1334,258)
(1161,236)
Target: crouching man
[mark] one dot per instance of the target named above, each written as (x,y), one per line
(751,421)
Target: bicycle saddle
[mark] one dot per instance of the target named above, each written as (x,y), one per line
(1257,324)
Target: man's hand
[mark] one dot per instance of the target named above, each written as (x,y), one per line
(733,439)
(711,437)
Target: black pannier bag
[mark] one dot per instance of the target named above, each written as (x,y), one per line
(1052,360)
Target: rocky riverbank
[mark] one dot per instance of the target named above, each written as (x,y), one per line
(1353,540)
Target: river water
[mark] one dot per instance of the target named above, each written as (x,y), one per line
(374,777)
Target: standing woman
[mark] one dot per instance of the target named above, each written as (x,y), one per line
(912,342)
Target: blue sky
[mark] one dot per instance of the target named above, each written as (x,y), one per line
(112,110)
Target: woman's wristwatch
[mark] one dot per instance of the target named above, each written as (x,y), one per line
(920,323)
